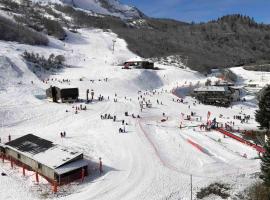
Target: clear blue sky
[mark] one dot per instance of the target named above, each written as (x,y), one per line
(203,10)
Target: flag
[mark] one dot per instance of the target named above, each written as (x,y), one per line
(208,115)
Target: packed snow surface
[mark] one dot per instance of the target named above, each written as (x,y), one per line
(153,159)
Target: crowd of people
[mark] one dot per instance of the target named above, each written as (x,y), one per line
(243,119)
(46,81)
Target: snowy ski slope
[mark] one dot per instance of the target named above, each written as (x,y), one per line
(153,160)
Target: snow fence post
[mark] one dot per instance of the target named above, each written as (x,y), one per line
(82,174)
(37,178)
(11,163)
(100,166)
(54,186)
(23,167)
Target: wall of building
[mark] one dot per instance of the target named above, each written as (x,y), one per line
(34,165)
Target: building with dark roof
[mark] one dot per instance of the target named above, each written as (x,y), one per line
(214,95)
(140,64)
(63,94)
(52,161)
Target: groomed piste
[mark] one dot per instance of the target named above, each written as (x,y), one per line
(152,158)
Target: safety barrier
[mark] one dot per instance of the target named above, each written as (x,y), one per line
(256,147)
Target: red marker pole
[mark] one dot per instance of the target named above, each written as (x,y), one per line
(23,170)
(100,166)
(83,174)
(37,178)
(54,186)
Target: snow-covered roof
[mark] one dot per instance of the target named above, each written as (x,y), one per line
(210,89)
(215,70)
(236,87)
(224,83)
(71,166)
(2,145)
(43,151)
(62,87)
(56,156)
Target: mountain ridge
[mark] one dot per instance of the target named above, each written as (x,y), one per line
(105,7)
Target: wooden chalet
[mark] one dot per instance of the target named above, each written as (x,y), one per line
(52,161)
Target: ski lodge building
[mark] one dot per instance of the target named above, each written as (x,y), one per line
(139,64)
(217,95)
(63,94)
(52,161)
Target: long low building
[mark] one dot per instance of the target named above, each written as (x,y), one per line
(140,64)
(52,161)
(214,95)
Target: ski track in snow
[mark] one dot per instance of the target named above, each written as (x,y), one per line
(153,160)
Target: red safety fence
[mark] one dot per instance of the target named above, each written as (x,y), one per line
(256,147)
(195,145)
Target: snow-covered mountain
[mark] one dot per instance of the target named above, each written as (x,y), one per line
(106,7)
(154,158)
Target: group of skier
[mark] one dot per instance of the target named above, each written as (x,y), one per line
(63,134)
(108,116)
(243,119)
(46,81)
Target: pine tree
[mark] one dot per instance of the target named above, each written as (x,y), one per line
(263,118)
(263,114)
(265,165)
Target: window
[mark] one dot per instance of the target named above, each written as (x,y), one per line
(19,156)
(39,166)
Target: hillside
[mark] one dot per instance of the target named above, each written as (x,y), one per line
(148,153)
(152,160)
(105,7)
(229,41)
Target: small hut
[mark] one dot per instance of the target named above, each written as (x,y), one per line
(52,161)
(63,94)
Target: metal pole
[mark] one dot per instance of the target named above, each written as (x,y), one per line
(114,41)
(191,187)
